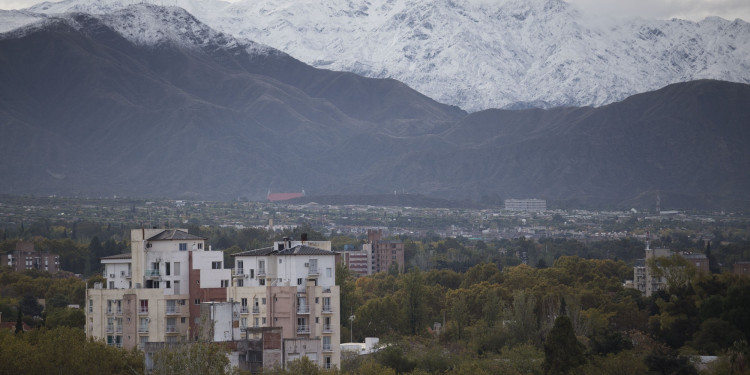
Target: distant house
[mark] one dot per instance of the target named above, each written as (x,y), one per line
(375,256)
(643,276)
(25,257)
(741,268)
(276,197)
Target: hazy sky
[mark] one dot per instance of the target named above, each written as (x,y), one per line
(663,9)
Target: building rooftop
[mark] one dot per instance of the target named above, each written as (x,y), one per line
(118,256)
(174,234)
(294,250)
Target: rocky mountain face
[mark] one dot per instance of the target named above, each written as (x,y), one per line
(148,101)
(477,54)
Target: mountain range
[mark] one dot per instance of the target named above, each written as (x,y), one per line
(474,54)
(148,101)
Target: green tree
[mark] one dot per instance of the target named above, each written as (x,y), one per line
(562,351)
(414,302)
(193,358)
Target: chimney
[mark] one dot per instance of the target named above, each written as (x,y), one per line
(304,237)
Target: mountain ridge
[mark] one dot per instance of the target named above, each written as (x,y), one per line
(477,54)
(87,111)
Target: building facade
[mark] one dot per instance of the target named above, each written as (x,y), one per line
(25,257)
(170,287)
(647,282)
(154,293)
(291,285)
(533,205)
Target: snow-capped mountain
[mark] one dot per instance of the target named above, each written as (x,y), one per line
(477,54)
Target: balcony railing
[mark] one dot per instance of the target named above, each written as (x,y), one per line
(262,272)
(125,274)
(313,271)
(303,329)
(119,329)
(172,310)
(327,309)
(238,272)
(256,310)
(171,329)
(143,310)
(327,328)
(110,328)
(327,348)
(303,309)
(151,273)
(243,310)
(143,329)
(118,312)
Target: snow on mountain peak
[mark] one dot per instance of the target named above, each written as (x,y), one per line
(476,54)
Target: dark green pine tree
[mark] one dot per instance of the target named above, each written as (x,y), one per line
(713,265)
(19,321)
(562,351)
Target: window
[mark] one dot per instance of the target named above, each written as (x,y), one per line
(197,301)
(182,320)
(243,323)
(264,322)
(256,322)
(183,246)
(279,261)
(240,282)
(111,285)
(143,309)
(225,283)
(91,305)
(328,272)
(143,325)
(299,281)
(167,268)
(168,284)
(177,268)
(200,245)
(216,265)
(263,300)
(262,281)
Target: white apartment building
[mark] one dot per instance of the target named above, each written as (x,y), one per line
(532,205)
(292,285)
(154,293)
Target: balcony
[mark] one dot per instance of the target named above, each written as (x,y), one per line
(110,328)
(238,272)
(303,309)
(143,329)
(173,310)
(118,312)
(327,309)
(327,348)
(262,272)
(313,271)
(171,329)
(243,310)
(126,274)
(152,274)
(327,328)
(119,329)
(303,329)
(143,311)
(256,310)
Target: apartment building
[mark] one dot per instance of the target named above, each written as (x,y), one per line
(153,294)
(291,285)
(385,252)
(530,205)
(647,282)
(25,257)
(169,285)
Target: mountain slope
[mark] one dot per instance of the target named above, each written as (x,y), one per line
(106,106)
(480,54)
(148,101)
